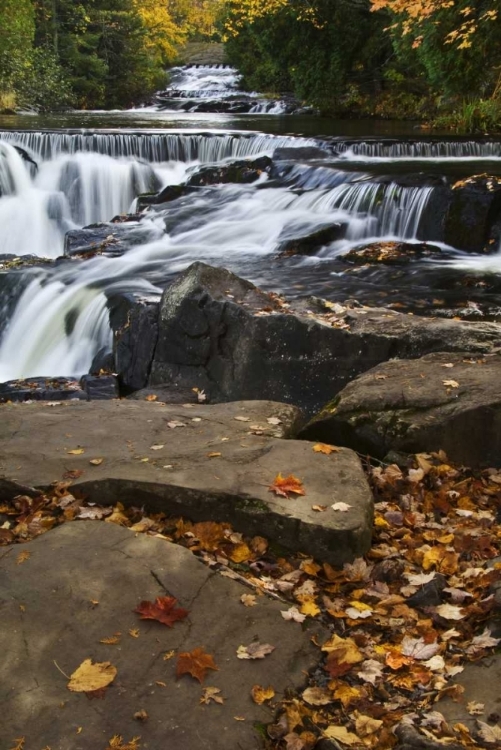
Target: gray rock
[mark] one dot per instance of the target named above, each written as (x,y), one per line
(420,405)
(81,584)
(203,462)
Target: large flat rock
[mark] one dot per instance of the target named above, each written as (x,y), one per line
(81,584)
(207,465)
(445,401)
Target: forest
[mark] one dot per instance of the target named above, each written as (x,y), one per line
(418,59)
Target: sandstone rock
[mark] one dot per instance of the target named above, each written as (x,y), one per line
(420,405)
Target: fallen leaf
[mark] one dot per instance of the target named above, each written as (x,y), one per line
(248,600)
(274,420)
(151,397)
(342,735)
(255,650)
(489,734)
(366,725)
(214,455)
(319,508)
(196,663)
(163,610)
(341,507)
(451,383)
(240,553)
(450,612)
(73,474)
(371,670)
(260,694)
(112,640)
(141,715)
(89,677)
(474,708)
(134,632)
(418,648)
(211,694)
(22,557)
(326,449)
(285,485)
(175,424)
(156,447)
(293,741)
(242,419)
(76,452)
(168,655)
(293,614)
(317,696)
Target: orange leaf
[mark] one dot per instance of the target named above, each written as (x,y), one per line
(163,610)
(324,448)
(283,485)
(196,663)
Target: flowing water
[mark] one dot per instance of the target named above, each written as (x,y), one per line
(55,315)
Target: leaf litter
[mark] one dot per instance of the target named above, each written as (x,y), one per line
(404,620)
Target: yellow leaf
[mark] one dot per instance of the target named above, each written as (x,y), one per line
(112,640)
(342,735)
(346,650)
(261,694)
(347,694)
(365,725)
(310,608)
(22,557)
(89,676)
(96,461)
(326,449)
(240,553)
(76,452)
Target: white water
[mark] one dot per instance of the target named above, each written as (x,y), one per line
(205,81)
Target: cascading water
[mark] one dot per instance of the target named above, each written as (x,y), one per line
(60,320)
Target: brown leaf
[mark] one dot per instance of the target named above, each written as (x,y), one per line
(141,715)
(89,677)
(285,485)
(73,474)
(317,696)
(260,694)
(22,557)
(211,694)
(151,397)
(112,640)
(248,600)
(196,663)
(163,610)
(326,449)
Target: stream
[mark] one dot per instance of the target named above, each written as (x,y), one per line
(375,181)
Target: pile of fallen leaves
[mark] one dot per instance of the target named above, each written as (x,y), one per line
(403,621)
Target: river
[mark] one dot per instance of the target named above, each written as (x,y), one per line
(377,180)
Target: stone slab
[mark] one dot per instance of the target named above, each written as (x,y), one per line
(210,469)
(50,625)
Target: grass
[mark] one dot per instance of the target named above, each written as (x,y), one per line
(479,116)
(8,100)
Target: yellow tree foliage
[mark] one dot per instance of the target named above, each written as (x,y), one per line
(196,17)
(163,34)
(412,12)
(247,11)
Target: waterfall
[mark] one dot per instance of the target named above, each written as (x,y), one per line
(154,147)
(419,149)
(14,177)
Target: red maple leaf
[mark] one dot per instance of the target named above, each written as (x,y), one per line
(163,610)
(285,485)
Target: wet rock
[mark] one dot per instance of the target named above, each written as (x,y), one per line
(310,242)
(430,594)
(390,253)
(100,387)
(243,171)
(221,334)
(167,394)
(41,389)
(303,153)
(134,321)
(473,220)
(420,405)
(97,239)
(103,362)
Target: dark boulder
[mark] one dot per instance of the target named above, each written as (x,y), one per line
(303,153)
(134,321)
(96,239)
(310,241)
(444,401)
(100,387)
(221,334)
(239,172)
(473,220)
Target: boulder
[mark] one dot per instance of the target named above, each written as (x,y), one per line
(309,242)
(221,334)
(472,221)
(96,239)
(206,463)
(134,321)
(448,401)
(100,387)
(243,171)
(303,153)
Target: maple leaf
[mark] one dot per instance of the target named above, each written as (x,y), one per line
(489,734)
(285,485)
(317,696)
(366,725)
(196,663)
(341,507)
(474,708)
(89,677)
(255,650)
(248,600)
(342,734)
(418,648)
(326,449)
(211,694)
(371,670)
(450,612)
(163,610)
(260,694)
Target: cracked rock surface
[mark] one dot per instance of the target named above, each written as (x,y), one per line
(205,463)
(79,585)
